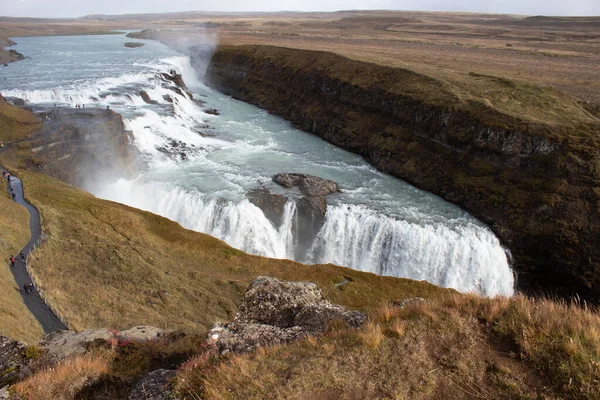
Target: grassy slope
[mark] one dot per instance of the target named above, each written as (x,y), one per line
(17,321)
(15,123)
(458,347)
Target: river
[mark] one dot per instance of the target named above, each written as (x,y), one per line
(377,223)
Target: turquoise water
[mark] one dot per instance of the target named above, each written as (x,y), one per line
(377,223)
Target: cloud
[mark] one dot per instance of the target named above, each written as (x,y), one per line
(75,8)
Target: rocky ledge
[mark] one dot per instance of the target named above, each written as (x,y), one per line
(83,146)
(537,185)
(274,312)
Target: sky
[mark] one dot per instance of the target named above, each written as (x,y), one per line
(77,8)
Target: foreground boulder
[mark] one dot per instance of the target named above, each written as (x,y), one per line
(157,385)
(13,361)
(274,312)
(63,344)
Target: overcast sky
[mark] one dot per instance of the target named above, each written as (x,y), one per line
(77,8)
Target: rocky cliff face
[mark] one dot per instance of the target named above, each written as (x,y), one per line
(83,147)
(536,185)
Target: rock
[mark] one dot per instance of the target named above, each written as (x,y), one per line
(147,98)
(241,338)
(16,54)
(157,385)
(62,344)
(140,334)
(274,302)
(174,77)
(309,185)
(176,90)
(272,205)
(18,102)
(274,311)
(13,361)
(318,318)
(168,98)
(134,44)
(212,111)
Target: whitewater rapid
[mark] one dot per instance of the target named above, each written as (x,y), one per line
(376,224)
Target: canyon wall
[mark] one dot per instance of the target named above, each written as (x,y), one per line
(534,184)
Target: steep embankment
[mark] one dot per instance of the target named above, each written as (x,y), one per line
(526,163)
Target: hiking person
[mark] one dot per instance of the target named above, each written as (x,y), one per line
(26,288)
(22,256)
(12,261)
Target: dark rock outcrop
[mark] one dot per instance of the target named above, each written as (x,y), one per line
(133,45)
(212,111)
(274,311)
(157,385)
(309,185)
(84,146)
(13,361)
(146,97)
(271,204)
(180,86)
(537,185)
(312,207)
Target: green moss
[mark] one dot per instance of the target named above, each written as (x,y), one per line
(33,352)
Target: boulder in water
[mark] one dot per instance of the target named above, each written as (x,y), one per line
(309,185)
(274,311)
(271,204)
(212,111)
(134,44)
(147,98)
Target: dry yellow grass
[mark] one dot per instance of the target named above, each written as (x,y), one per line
(15,123)
(456,347)
(65,380)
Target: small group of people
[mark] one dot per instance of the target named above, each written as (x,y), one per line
(28,288)
(79,105)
